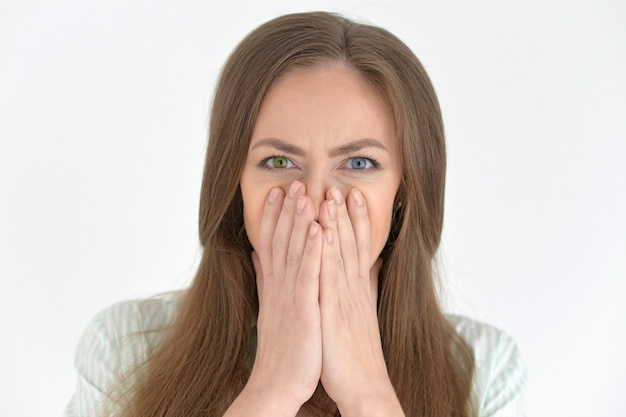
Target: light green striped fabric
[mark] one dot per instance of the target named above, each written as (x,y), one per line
(122,336)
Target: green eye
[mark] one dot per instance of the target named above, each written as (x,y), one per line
(280,162)
(277,162)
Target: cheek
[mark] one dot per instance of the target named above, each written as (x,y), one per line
(253,204)
(380,211)
(251,225)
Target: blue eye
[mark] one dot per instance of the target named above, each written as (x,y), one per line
(360,163)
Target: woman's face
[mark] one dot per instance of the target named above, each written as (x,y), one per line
(324,126)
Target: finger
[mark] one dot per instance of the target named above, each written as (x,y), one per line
(305,213)
(258,269)
(308,284)
(344,231)
(359,219)
(332,263)
(271,212)
(284,225)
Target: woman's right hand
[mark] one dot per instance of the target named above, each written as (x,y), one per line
(288,360)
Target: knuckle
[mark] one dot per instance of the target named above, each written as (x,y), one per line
(350,250)
(287,208)
(342,213)
(293,259)
(310,250)
(339,263)
(278,243)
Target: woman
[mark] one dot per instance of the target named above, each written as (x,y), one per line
(321,213)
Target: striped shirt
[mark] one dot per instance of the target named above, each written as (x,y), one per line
(120,337)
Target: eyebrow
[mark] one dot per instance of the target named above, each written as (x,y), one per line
(348,148)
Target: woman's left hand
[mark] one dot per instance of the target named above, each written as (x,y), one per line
(354,372)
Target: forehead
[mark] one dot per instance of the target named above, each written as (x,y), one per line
(330,103)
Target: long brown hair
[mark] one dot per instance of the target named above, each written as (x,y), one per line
(203,363)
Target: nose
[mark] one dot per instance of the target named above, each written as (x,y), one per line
(316,188)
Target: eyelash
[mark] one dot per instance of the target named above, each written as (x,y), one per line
(375,164)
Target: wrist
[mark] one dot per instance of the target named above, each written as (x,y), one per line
(377,402)
(262,402)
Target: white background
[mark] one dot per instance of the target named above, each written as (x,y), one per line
(103,114)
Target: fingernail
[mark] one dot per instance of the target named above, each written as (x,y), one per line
(293,190)
(300,205)
(332,210)
(313,230)
(336,195)
(358,197)
(273,195)
(328,234)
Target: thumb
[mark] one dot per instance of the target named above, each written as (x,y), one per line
(259,273)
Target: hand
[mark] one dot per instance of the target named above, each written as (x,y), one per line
(354,371)
(289,351)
